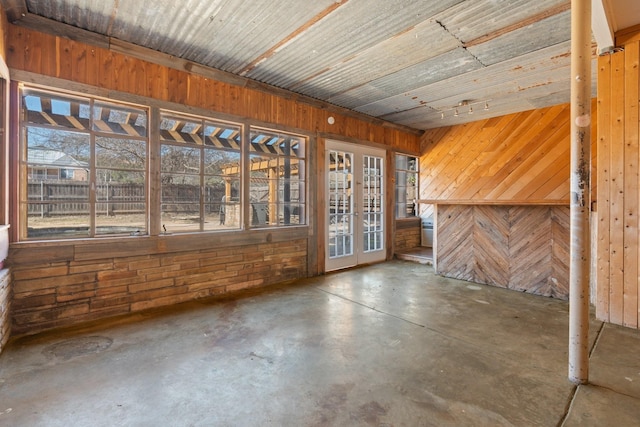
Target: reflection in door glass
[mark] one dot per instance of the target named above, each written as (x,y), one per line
(340,204)
(372,204)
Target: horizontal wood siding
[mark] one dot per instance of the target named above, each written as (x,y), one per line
(113,69)
(522,157)
(617,280)
(524,248)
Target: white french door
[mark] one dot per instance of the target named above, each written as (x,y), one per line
(355,205)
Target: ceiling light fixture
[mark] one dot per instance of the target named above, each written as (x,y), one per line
(463,104)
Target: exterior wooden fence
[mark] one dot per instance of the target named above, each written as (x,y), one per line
(54,198)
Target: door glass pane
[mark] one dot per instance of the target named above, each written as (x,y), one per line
(372,204)
(340,204)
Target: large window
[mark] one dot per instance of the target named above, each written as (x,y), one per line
(277,186)
(90,167)
(200,174)
(406,185)
(84,163)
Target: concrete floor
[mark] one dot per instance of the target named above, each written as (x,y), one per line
(385,345)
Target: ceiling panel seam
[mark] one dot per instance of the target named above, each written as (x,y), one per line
(461,42)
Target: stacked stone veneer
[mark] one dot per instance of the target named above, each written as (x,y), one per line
(5,306)
(92,283)
(407,234)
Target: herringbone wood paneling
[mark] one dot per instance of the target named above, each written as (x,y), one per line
(530,249)
(524,248)
(491,245)
(455,247)
(560,239)
(514,167)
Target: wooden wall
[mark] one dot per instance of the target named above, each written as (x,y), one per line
(524,248)
(4,124)
(5,307)
(407,234)
(5,275)
(618,284)
(518,158)
(500,191)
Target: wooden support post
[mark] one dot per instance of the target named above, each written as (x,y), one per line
(579,270)
(273,194)
(227,189)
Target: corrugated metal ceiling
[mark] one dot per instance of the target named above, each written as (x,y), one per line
(404,61)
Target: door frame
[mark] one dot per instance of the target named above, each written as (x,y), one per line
(360,257)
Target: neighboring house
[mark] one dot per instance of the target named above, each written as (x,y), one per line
(48,164)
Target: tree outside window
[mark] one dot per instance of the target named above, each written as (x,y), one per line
(87,172)
(85,166)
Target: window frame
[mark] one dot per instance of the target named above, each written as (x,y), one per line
(153,198)
(199,142)
(401,177)
(286,163)
(91,130)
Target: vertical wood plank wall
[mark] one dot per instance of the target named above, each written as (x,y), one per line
(4,126)
(6,289)
(618,285)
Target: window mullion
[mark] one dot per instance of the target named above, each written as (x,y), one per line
(202,186)
(81,144)
(92,174)
(153,172)
(245,178)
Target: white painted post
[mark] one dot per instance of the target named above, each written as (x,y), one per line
(580,254)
